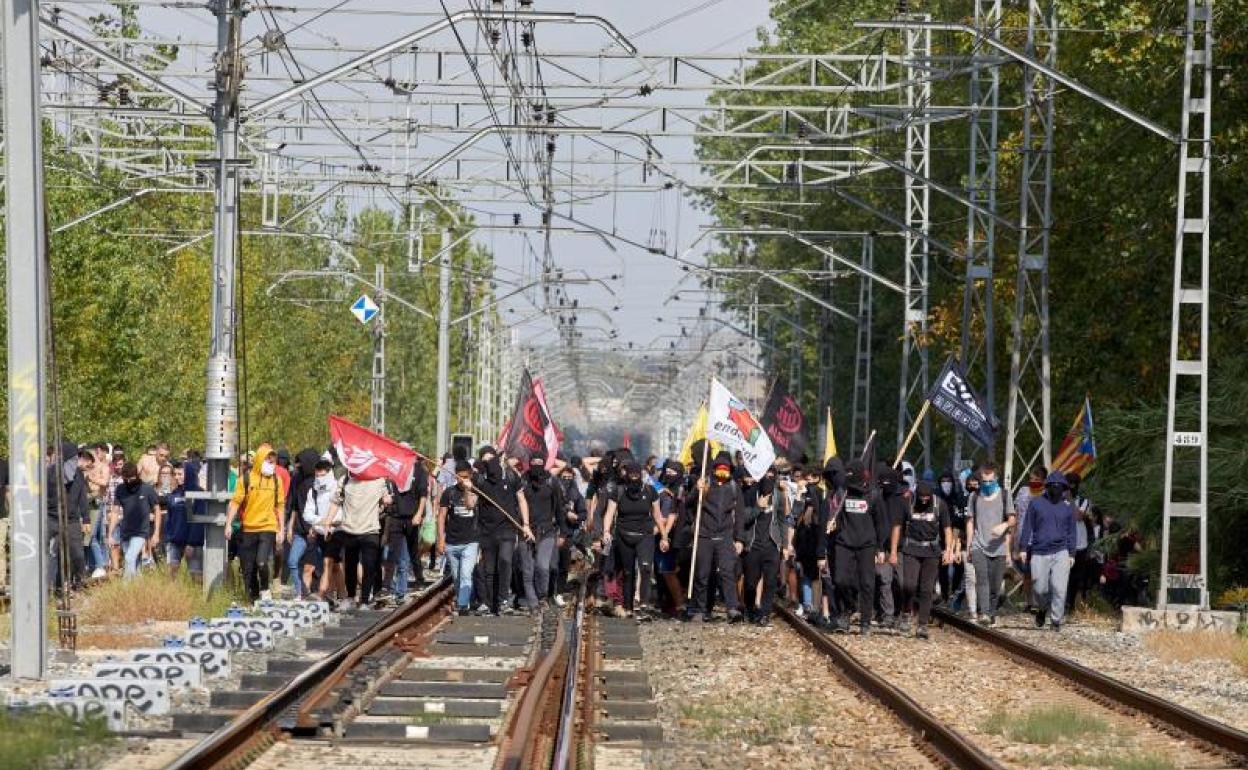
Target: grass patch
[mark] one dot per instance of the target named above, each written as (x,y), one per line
(43,740)
(1150,761)
(152,595)
(1187,646)
(1044,726)
(753,722)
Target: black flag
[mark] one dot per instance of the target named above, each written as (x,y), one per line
(785,424)
(953,396)
(525,434)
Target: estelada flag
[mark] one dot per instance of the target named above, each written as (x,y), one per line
(1077,453)
(530,431)
(368,455)
(729,422)
(785,424)
(696,431)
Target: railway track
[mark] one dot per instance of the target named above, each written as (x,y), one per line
(419,687)
(927,686)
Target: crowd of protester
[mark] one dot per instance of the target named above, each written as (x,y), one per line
(848,544)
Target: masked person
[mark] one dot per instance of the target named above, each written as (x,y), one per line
(948,492)
(671,500)
(544,497)
(260,502)
(402,534)
(718,538)
(765,539)
(988,526)
(1048,542)
(919,536)
(631,521)
(1084,572)
(572,520)
(807,543)
(894,505)
(136,503)
(457,533)
(502,509)
(970,485)
(860,535)
(325,552)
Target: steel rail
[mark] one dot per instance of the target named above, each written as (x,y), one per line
(566,736)
(949,745)
(523,732)
(264,717)
(1221,736)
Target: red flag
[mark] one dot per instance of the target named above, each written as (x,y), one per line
(527,432)
(368,455)
(551,433)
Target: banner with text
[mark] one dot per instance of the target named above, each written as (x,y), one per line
(785,424)
(953,396)
(731,424)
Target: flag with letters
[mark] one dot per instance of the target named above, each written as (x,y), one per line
(1077,453)
(730,423)
(785,424)
(953,396)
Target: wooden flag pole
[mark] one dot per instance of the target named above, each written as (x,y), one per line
(918,420)
(697,519)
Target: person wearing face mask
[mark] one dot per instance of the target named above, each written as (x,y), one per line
(544,496)
(765,538)
(1022,500)
(572,518)
(323,547)
(718,538)
(1048,542)
(919,536)
(671,501)
(988,532)
(136,502)
(260,502)
(970,594)
(860,537)
(893,506)
(950,576)
(458,514)
(631,521)
(501,507)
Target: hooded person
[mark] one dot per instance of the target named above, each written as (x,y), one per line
(766,537)
(259,502)
(401,537)
(299,530)
(66,470)
(719,538)
(919,537)
(544,496)
(908,478)
(631,520)
(1048,542)
(894,504)
(502,507)
(861,531)
(671,479)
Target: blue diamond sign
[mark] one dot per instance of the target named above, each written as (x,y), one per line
(364,308)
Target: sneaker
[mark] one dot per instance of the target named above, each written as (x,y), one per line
(694,617)
(840,625)
(266,596)
(559,600)
(1057,627)
(346,605)
(921,632)
(801,611)
(1041,616)
(99,573)
(482,609)
(763,622)
(735,616)
(992,621)
(864,629)
(903,625)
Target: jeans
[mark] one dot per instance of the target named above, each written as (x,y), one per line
(461,559)
(887,575)
(536,560)
(402,549)
(805,584)
(255,556)
(294,555)
(989,570)
(1050,576)
(193,555)
(99,554)
(134,552)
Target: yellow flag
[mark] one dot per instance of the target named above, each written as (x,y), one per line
(697,431)
(829,440)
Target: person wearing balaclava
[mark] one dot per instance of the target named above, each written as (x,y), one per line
(666,562)
(718,538)
(919,538)
(893,505)
(501,507)
(136,503)
(766,535)
(631,521)
(544,496)
(260,501)
(1047,541)
(988,527)
(860,534)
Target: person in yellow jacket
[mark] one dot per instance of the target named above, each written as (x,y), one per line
(262,501)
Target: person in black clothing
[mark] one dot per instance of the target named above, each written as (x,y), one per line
(892,500)
(631,521)
(927,524)
(500,508)
(671,501)
(458,514)
(544,497)
(136,504)
(402,534)
(719,538)
(766,536)
(861,531)
(570,529)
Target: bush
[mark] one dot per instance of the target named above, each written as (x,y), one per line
(152,595)
(35,740)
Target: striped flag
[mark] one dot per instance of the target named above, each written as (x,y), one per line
(1078,450)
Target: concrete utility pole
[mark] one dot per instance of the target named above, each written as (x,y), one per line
(26,244)
(221,402)
(377,419)
(444,344)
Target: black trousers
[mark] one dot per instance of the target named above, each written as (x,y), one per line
(762,562)
(715,554)
(498,551)
(362,551)
(634,559)
(917,578)
(255,556)
(855,574)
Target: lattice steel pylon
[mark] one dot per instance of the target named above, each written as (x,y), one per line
(914,356)
(1028,418)
(1190,308)
(981,225)
(860,420)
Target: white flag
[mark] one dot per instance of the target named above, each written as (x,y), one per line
(731,424)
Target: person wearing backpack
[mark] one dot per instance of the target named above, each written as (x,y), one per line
(259,502)
(989,522)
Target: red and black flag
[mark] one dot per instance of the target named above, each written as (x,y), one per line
(785,424)
(530,431)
